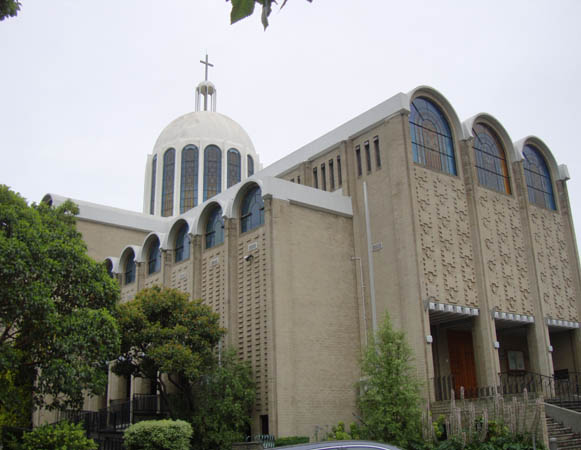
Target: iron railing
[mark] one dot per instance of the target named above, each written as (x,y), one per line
(562,387)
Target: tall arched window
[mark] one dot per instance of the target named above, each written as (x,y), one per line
(233,167)
(250,165)
(189,178)
(252,210)
(129,269)
(432,145)
(152,194)
(490,159)
(154,257)
(215,228)
(169,162)
(212,171)
(182,244)
(539,185)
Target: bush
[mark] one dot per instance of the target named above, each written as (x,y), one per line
(62,436)
(158,435)
(291,440)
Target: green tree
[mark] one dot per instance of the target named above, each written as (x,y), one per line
(244,8)
(158,435)
(56,329)
(9,8)
(175,342)
(390,398)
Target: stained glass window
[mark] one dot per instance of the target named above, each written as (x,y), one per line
(252,211)
(432,145)
(233,167)
(491,164)
(182,247)
(130,268)
(189,178)
(215,228)
(212,171)
(152,194)
(539,185)
(169,160)
(154,257)
(250,163)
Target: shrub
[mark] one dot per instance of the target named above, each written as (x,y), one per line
(158,435)
(62,436)
(291,440)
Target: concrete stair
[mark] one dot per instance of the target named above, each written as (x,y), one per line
(566,439)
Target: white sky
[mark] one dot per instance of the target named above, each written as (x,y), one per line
(88,85)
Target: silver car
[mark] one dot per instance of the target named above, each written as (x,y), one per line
(340,445)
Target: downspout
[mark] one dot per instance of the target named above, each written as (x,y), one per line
(370,261)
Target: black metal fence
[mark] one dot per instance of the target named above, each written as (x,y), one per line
(566,387)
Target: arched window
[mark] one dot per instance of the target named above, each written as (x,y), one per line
(129,272)
(153,175)
(212,171)
(539,185)
(215,228)
(154,258)
(250,164)
(432,145)
(189,178)
(169,161)
(182,244)
(233,167)
(490,159)
(252,210)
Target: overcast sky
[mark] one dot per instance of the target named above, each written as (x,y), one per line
(88,85)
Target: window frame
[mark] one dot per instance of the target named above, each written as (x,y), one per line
(182,242)
(215,215)
(246,222)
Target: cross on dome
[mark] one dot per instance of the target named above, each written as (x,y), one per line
(206,91)
(206,64)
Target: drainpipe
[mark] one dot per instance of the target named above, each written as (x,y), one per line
(370,262)
(358,259)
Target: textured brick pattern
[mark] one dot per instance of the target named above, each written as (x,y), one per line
(447,260)
(252,317)
(213,281)
(553,266)
(179,277)
(504,253)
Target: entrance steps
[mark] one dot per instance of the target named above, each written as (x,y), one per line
(566,439)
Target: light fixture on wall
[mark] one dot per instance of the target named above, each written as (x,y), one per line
(248,258)
(550,349)
(496,345)
(429,339)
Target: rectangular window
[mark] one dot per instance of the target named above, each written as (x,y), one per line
(331,176)
(367,156)
(315,178)
(358,156)
(298,179)
(339,174)
(377,154)
(323,177)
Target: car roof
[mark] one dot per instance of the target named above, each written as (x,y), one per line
(328,445)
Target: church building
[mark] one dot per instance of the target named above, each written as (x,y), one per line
(462,235)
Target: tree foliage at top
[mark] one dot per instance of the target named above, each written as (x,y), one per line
(244,8)
(175,342)
(56,329)
(390,398)
(9,8)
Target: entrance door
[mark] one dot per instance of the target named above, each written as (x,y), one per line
(462,362)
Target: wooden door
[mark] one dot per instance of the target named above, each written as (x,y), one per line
(462,365)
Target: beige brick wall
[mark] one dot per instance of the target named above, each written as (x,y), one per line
(315,319)
(106,240)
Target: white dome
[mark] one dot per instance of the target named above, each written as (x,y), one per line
(205,126)
(200,129)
